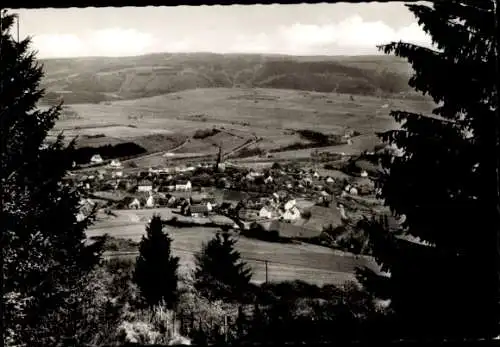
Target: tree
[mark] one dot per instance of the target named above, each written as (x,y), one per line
(156,267)
(46,263)
(220,273)
(444,182)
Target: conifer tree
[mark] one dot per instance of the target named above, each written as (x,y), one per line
(441,265)
(220,272)
(156,268)
(45,258)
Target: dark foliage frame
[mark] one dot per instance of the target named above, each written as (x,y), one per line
(32,4)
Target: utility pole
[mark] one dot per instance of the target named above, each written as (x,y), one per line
(17,23)
(266,269)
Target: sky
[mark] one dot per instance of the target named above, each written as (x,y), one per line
(305,29)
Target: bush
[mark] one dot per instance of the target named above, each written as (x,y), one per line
(204,133)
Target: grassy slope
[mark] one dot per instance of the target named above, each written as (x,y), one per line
(287,262)
(93,80)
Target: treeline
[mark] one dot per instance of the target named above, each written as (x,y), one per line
(84,154)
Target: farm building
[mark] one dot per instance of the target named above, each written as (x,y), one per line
(197,210)
(183,185)
(145,186)
(135,204)
(291,214)
(115,163)
(96,159)
(266,212)
(330,180)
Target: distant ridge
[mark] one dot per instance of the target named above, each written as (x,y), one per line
(99,79)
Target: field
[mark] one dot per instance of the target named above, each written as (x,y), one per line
(173,118)
(287,262)
(248,97)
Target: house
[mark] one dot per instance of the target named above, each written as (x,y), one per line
(198,210)
(330,180)
(117,174)
(150,202)
(212,201)
(145,186)
(316,175)
(135,204)
(115,163)
(183,185)
(266,212)
(342,212)
(364,173)
(268,180)
(291,214)
(290,204)
(96,159)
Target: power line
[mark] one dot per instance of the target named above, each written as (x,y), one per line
(265,261)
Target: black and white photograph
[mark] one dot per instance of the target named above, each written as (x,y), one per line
(315,173)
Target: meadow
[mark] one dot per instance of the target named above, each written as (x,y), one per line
(272,116)
(311,263)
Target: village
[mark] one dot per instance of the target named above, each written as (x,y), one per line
(283,201)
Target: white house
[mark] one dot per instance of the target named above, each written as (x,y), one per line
(96,159)
(269,179)
(117,174)
(364,173)
(330,180)
(145,186)
(316,174)
(342,212)
(150,202)
(265,212)
(291,214)
(115,163)
(135,204)
(353,191)
(183,185)
(290,204)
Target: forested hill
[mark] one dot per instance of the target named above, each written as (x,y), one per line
(94,80)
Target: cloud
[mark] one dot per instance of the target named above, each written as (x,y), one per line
(352,35)
(120,42)
(107,42)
